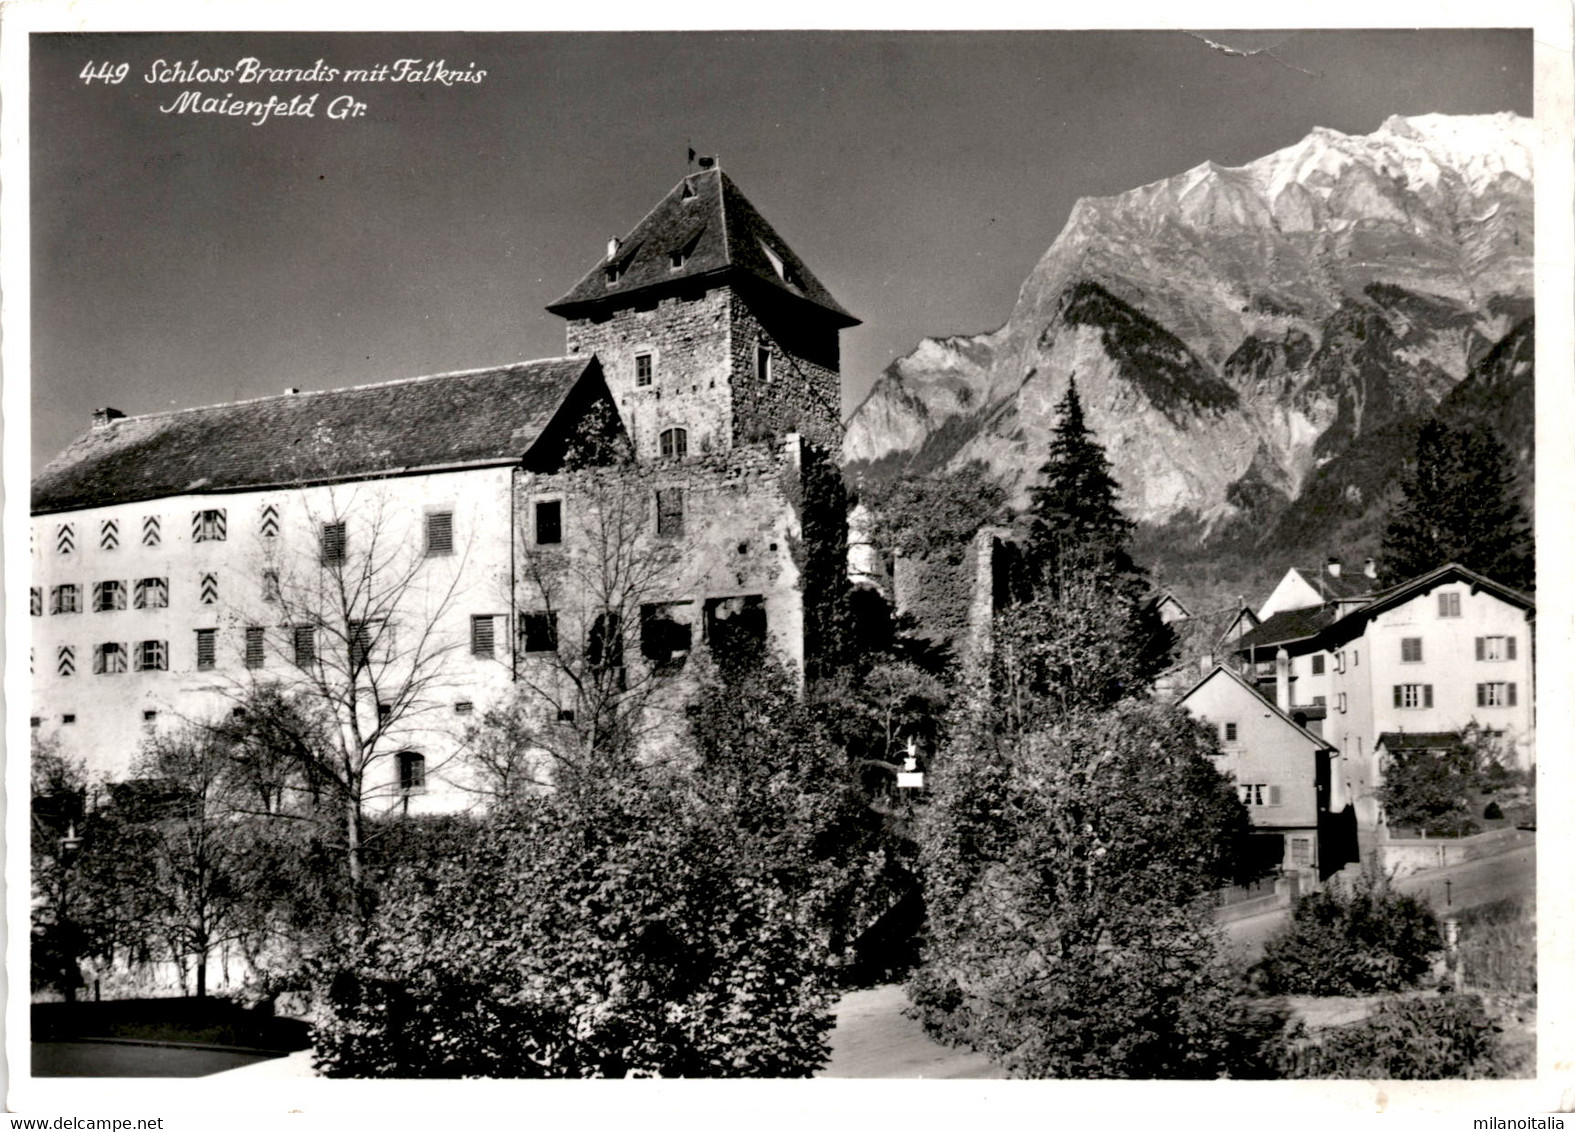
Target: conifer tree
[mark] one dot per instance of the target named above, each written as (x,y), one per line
(1088,634)
(1458,504)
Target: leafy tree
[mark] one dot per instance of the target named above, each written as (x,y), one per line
(1432,789)
(1345,941)
(1458,503)
(66,921)
(936,515)
(1407,1039)
(1090,635)
(1066,873)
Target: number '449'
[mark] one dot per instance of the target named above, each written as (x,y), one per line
(111,73)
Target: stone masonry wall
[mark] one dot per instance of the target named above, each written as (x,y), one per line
(804,392)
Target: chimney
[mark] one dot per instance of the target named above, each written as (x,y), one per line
(103,417)
(613,244)
(1282,680)
(1370,568)
(1333,566)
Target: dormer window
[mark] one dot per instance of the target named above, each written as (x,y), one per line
(783,269)
(680,255)
(614,273)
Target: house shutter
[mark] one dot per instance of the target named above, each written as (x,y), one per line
(481,636)
(205,648)
(1481,648)
(1511,688)
(1481,695)
(1397,695)
(1427,695)
(333,542)
(440,533)
(1274,795)
(1509,648)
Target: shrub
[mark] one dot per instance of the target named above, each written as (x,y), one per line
(1364,940)
(1498,947)
(1406,1039)
(1492,812)
(639,932)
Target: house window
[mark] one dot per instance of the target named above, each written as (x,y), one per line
(1301,851)
(270,585)
(151,535)
(206,649)
(1259,794)
(539,632)
(440,533)
(644,369)
(109,534)
(675,443)
(762,363)
(333,542)
(1230,733)
(464,707)
(412,772)
(208,589)
(735,627)
(152,656)
(1411,650)
(482,635)
(152,593)
(1496,695)
(670,512)
(1317,664)
(360,643)
(1339,661)
(109,659)
(65,599)
(208,526)
(1341,704)
(254,646)
(1449,605)
(1320,701)
(108,596)
(385,712)
(305,645)
(35,601)
(1495,648)
(606,641)
(1413,695)
(66,661)
(549,522)
(69,717)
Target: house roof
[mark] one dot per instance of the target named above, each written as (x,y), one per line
(1418,740)
(1220,670)
(1346,586)
(474,417)
(1288,626)
(1354,622)
(722,239)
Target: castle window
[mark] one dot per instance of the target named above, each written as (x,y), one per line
(549,522)
(208,526)
(109,535)
(412,772)
(151,535)
(254,646)
(333,543)
(66,660)
(65,599)
(305,644)
(675,443)
(108,596)
(152,656)
(735,627)
(539,632)
(65,539)
(270,585)
(361,633)
(208,589)
(644,368)
(464,707)
(207,653)
(440,533)
(762,363)
(152,593)
(606,641)
(268,523)
(670,512)
(109,659)
(483,636)
(666,635)
(614,273)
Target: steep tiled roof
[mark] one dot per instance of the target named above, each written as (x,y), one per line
(1345,586)
(473,417)
(719,235)
(1288,625)
(1419,740)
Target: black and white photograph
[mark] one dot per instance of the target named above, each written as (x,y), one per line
(971,554)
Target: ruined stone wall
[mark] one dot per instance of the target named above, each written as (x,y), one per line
(688,338)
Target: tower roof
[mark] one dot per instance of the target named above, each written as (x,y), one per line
(703,229)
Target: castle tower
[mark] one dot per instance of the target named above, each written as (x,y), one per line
(711,332)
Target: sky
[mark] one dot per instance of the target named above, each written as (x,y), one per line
(182,259)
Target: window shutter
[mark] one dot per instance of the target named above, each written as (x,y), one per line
(1481,695)
(333,542)
(1274,795)
(1397,695)
(305,645)
(1481,648)
(482,636)
(440,533)
(1427,695)
(1509,648)
(1511,688)
(205,649)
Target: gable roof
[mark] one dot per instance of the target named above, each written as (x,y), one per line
(1354,622)
(723,238)
(471,418)
(1287,627)
(1219,670)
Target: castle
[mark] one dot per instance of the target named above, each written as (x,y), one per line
(410,554)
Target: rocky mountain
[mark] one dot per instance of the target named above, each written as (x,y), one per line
(1236,333)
